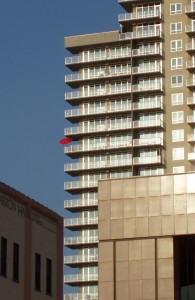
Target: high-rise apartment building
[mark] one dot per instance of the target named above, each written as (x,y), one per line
(133,113)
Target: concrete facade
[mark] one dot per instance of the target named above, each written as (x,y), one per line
(139,221)
(31,229)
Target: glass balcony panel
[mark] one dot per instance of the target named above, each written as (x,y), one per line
(80,258)
(80,297)
(149,141)
(190,100)
(191,137)
(80,221)
(146,160)
(80,202)
(136,16)
(79,184)
(190,119)
(191,156)
(148,104)
(147,123)
(80,277)
(76,240)
(190,81)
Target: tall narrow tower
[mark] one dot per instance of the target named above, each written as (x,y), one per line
(133,113)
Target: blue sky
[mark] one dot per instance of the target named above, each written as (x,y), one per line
(32,88)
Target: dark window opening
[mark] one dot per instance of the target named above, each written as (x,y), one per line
(15,262)
(37,272)
(184,267)
(3,256)
(48,276)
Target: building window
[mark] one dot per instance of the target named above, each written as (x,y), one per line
(176,63)
(178,169)
(177,99)
(177,117)
(48,276)
(37,272)
(176,45)
(177,81)
(175,8)
(3,256)
(175,28)
(178,135)
(178,153)
(15,262)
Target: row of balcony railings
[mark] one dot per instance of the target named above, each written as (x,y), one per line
(110,73)
(150,50)
(80,278)
(115,145)
(145,33)
(140,15)
(80,221)
(80,203)
(141,87)
(116,108)
(123,125)
(81,296)
(79,240)
(73,259)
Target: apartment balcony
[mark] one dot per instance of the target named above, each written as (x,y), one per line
(127,4)
(156,69)
(191,137)
(78,204)
(78,130)
(150,105)
(79,260)
(190,10)
(74,223)
(148,142)
(76,79)
(190,119)
(191,101)
(145,34)
(191,156)
(147,160)
(76,279)
(190,46)
(140,88)
(81,297)
(148,123)
(190,82)
(150,51)
(126,19)
(75,186)
(79,241)
(190,29)
(77,149)
(190,65)
(79,112)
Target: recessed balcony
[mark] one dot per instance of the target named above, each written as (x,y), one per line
(75,279)
(191,137)
(191,156)
(148,123)
(74,223)
(81,297)
(79,185)
(190,10)
(150,105)
(78,241)
(144,87)
(76,204)
(147,51)
(80,260)
(147,160)
(156,69)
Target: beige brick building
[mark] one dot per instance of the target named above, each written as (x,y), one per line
(31,249)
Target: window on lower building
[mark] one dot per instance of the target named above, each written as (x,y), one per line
(3,256)
(48,276)
(178,135)
(175,28)
(177,117)
(176,81)
(178,153)
(178,169)
(175,8)
(176,63)
(37,272)
(176,45)
(177,99)
(15,262)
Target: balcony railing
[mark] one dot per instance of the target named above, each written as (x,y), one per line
(147,123)
(138,16)
(96,165)
(80,278)
(147,51)
(191,100)
(77,240)
(147,160)
(80,259)
(190,46)
(190,64)
(148,142)
(148,105)
(81,297)
(80,203)
(190,28)
(190,9)
(147,87)
(80,221)
(79,184)
(147,69)
(191,137)
(141,34)
(190,82)
(190,119)
(191,156)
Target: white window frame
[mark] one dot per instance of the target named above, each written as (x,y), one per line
(178,153)
(177,99)
(176,63)
(177,135)
(176,28)
(178,169)
(177,117)
(176,81)
(175,8)
(176,45)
